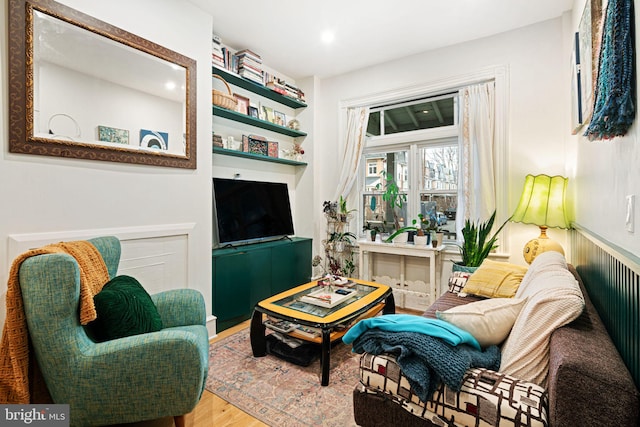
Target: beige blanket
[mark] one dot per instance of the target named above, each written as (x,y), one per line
(14,350)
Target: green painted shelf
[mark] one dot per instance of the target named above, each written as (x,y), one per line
(236,153)
(252,121)
(236,80)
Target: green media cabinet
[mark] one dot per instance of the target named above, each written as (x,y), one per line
(244,275)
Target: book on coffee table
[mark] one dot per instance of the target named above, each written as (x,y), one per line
(328,298)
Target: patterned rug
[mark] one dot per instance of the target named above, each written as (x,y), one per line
(279,393)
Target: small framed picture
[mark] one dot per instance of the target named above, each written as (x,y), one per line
(243,104)
(280,118)
(268,114)
(272,148)
(253,112)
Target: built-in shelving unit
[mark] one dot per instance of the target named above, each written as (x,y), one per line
(252,121)
(236,153)
(236,80)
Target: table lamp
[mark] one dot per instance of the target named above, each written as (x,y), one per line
(542,204)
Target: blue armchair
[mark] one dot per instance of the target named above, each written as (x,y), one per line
(125,380)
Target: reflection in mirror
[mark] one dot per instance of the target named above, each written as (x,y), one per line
(95,91)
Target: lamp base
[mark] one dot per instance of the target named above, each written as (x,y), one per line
(542,243)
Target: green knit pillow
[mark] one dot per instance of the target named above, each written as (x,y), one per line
(124,308)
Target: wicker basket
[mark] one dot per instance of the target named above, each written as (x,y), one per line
(222,99)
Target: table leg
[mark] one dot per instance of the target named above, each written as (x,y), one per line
(256,335)
(389,305)
(325,355)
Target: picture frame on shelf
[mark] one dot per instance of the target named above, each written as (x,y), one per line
(111,134)
(253,112)
(272,148)
(280,118)
(243,104)
(257,146)
(268,113)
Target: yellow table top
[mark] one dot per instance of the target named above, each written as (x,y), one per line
(334,315)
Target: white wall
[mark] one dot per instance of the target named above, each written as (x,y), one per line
(606,172)
(538,112)
(41,194)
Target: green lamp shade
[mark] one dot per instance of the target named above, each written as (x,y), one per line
(542,202)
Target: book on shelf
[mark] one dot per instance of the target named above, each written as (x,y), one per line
(249,54)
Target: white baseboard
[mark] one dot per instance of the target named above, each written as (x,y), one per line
(211,326)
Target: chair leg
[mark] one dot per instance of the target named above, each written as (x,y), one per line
(178,420)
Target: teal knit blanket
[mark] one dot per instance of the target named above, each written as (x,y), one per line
(411,323)
(426,360)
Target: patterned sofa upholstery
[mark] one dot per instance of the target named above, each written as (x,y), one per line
(587,385)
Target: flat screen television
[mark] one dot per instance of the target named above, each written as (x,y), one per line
(250,211)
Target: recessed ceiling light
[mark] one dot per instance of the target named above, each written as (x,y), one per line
(327,36)
(425,111)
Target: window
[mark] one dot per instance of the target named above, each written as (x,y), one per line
(376,212)
(412,115)
(438,192)
(372,167)
(423,161)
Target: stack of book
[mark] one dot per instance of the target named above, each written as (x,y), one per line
(217,54)
(217,141)
(282,87)
(250,66)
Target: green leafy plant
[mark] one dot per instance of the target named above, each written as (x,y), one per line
(477,242)
(416,225)
(347,237)
(343,207)
(393,196)
(373,230)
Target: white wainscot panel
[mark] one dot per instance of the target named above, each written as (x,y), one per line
(157,256)
(158,263)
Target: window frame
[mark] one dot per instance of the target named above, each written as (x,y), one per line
(499,74)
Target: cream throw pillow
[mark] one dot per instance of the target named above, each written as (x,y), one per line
(495,279)
(489,321)
(554,299)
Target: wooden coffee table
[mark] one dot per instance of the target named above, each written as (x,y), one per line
(367,300)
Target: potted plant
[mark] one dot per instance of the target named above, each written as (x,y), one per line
(394,198)
(422,238)
(340,239)
(344,212)
(373,230)
(477,243)
(416,225)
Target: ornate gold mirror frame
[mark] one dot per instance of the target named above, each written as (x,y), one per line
(82,88)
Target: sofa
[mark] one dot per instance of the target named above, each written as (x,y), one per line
(579,378)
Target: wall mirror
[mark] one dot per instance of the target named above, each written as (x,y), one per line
(82,88)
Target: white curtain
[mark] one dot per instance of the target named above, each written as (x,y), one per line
(357,119)
(477,173)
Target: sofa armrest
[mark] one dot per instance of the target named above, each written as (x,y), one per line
(166,369)
(180,307)
(588,383)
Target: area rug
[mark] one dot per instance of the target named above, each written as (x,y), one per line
(279,393)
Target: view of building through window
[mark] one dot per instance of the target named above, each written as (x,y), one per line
(439,190)
(376,211)
(437,194)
